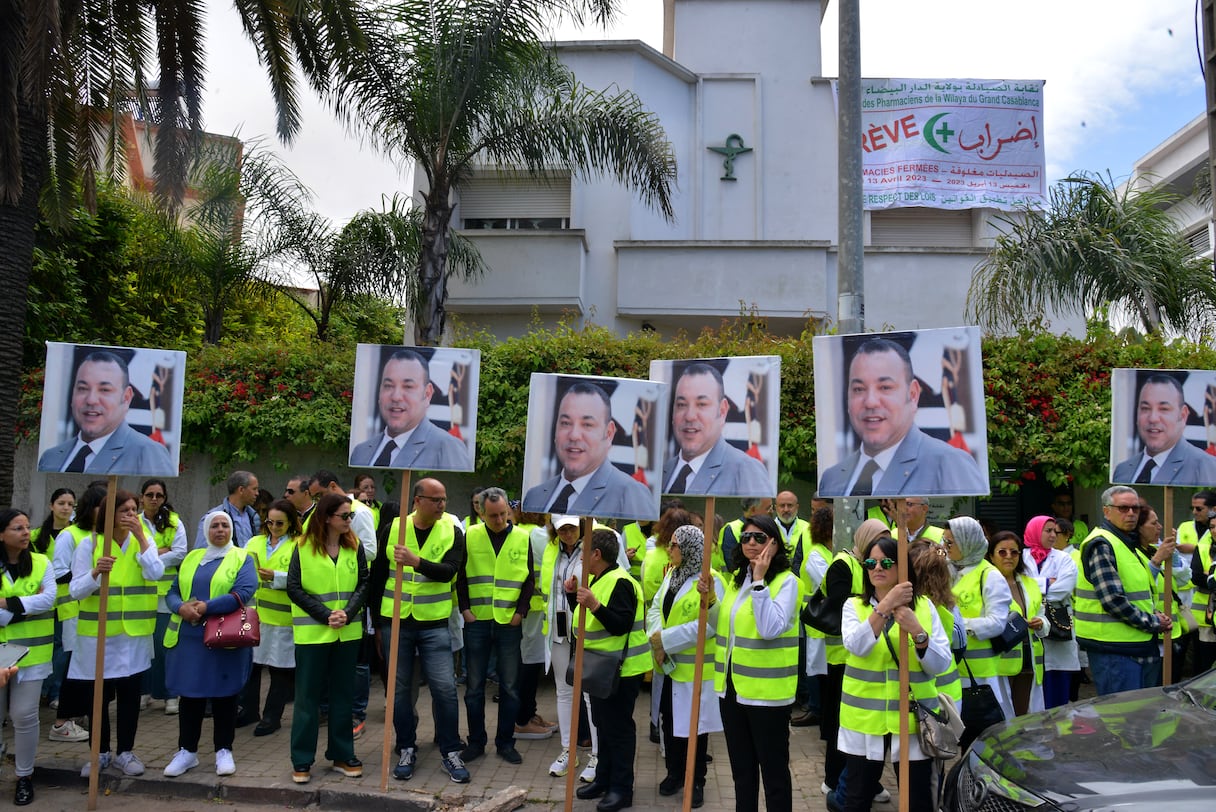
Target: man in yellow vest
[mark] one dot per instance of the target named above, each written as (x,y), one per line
(429,559)
(1117,620)
(1203,566)
(494,591)
(916,514)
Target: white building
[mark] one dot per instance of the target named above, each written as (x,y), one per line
(1175,163)
(763,240)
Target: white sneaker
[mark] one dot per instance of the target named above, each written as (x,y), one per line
(183,761)
(144,701)
(224,765)
(824,788)
(883,797)
(69,731)
(129,763)
(171,706)
(588,773)
(103,761)
(561,765)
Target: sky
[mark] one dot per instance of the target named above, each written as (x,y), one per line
(1121,76)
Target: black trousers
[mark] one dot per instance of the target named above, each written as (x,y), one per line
(830,685)
(190,721)
(676,748)
(126,690)
(618,736)
(758,743)
(282,690)
(864,782)
(529,681)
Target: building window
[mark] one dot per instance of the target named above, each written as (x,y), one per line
(921,228)
(499,201)
(1200,241)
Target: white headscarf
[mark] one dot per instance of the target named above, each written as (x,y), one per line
(210,551)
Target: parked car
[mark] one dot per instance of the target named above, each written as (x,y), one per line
(1138,751)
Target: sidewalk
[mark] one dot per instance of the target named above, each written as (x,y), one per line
(264,770)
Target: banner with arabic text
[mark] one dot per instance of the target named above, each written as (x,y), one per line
(952,144)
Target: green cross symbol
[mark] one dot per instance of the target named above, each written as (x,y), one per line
(944,132)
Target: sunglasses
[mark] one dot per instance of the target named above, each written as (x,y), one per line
(885,563)
(276,522)
(1007,553)
(289,491)
(755,535)
(343,516)
(1124,508)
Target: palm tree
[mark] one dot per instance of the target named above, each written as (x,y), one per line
(70,68)
(1097,248)
(447,85)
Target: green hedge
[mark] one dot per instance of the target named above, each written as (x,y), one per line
(1048,397)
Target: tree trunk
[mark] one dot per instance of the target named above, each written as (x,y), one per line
(430,313)
(17,224)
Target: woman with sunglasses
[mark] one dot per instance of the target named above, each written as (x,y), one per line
(984,601)
(1055,573)
(756,664)
(168,533)
(272,552)
(213,580)
(1024,669)
(327,585)
(890,622)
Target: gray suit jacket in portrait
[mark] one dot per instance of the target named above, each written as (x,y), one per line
(922,466)
(1186,466)
(610,494)
(125,452)
(727,471)
(430,448)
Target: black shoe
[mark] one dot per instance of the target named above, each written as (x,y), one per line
(266,727)
(698,796)
(807,719)
(25,791)
(510,755)
(244,720)
(670,785)
(472,752)
(709,758)
(592,790)
(654,733)
(614,801)
(830,800)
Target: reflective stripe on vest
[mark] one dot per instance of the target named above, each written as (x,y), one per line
(496,580)
(131,605)
(949,682)
(597,638)
(687,609)
(274,607)
(421,598)
(1203,549)
(1034,607)
(982,661)
(67,607)
(36,632)
(835,645)
(332,583)
(804,579)
(869,701)
(223,579)
(635,538)
(164,539)
(1090,619)
(654,569)
(760,669)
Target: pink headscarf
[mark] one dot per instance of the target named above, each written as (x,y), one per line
(1034,539)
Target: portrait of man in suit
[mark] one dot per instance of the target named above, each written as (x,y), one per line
(588,484)
(1166,458)
(104,443)
(707,463)
(896,458)
(407,439)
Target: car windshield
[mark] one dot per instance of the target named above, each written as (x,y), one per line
(1201,690)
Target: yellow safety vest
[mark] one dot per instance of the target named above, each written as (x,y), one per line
(35,632)
(131,606)
(687,609)
(1140,589)
(635,538)
(654,568)
(836,652)
(718,559)
(1034,607)
(1203,549)
(869,701)
(165,539)
(495,581)
(760,669)
(274,607)
(806,588)
(222,581)
(332,583)
(981,660)
(949,682)
(421,598)
(596,638)
(67,607)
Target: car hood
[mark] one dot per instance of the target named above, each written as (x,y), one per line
(1161,742)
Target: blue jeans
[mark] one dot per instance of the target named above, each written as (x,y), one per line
(434,651)
(1115,672)
(481,637)
(59,665)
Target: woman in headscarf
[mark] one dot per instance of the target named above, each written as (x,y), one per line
(213,580)
(1056,574)
(984,601)
(671,626)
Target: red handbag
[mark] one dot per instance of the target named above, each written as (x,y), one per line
(237,629)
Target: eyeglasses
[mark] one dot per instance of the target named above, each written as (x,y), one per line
(439,500)
(289,491)
(871,564)
(1124,508)
(1007,553)
(754,535)
(154,495)
(343,516)
(277,522)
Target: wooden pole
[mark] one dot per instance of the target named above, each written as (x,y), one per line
(698,667)
(390,699)
(905,768)
(1167,645)
(99,666)
(576,703)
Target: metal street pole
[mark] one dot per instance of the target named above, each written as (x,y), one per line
(850,277)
